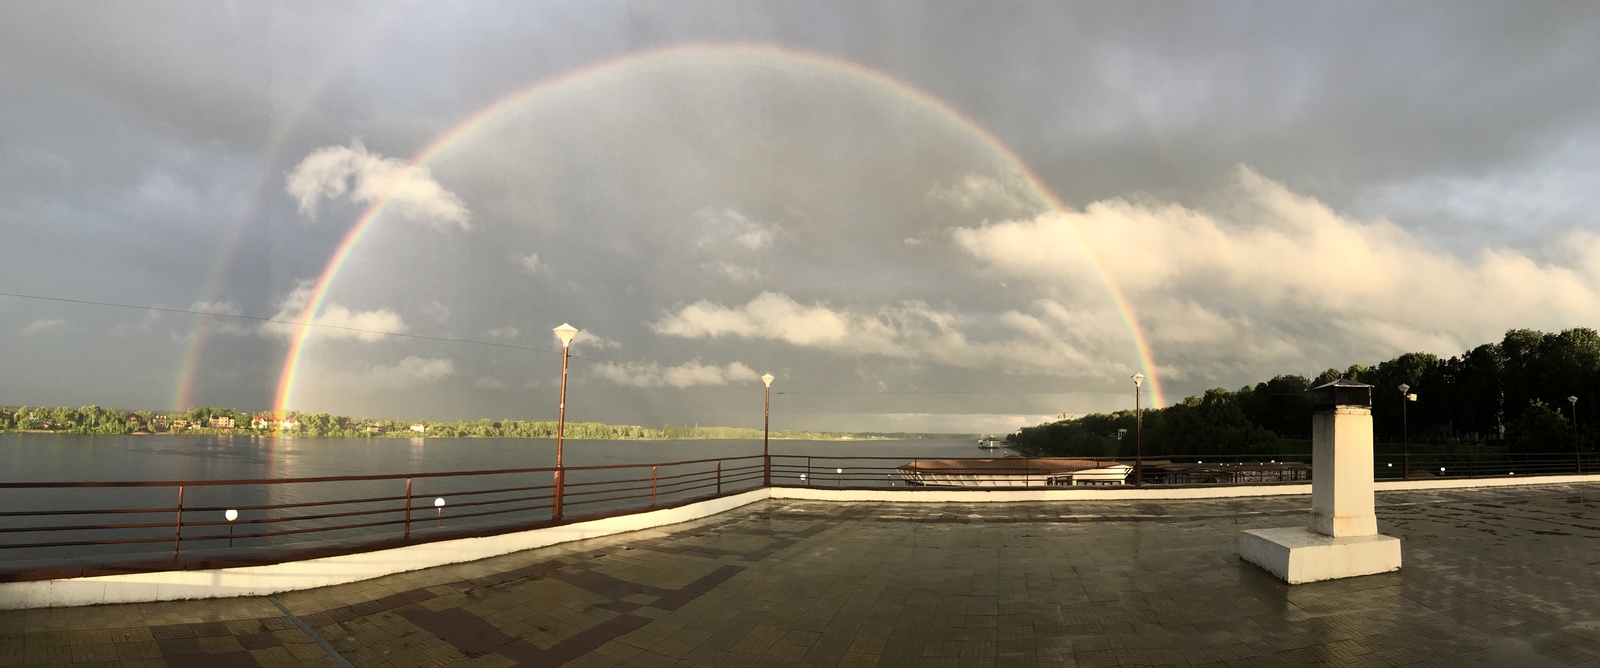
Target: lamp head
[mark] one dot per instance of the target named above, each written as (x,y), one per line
(566,333)
(1404,388)
(439,502)
(1138,379)
(768,379)
(1572,400)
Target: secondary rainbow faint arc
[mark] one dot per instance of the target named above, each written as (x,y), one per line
(351,46)
(628,65)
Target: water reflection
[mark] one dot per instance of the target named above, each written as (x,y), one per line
(71,458)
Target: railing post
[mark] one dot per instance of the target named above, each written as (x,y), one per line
(719,477)
(177,527)
(555,505)
(808,471)
(408,508)
(653,486)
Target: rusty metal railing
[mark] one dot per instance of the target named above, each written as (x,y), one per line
(57,529)
(99,527)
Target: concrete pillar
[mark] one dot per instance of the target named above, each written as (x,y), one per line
(1342,538)
(1341,472)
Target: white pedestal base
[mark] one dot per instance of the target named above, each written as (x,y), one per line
(1299,555)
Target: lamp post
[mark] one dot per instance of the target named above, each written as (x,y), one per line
(1138,433)
(1577,456)
(566,333)
(766,434)
(1405,433)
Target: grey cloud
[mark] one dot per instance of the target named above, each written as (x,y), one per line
(144,152)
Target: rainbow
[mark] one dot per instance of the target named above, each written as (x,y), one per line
(353,47)
(644,62)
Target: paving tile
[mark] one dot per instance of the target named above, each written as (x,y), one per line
(869,584)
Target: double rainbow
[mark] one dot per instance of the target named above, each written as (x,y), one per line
(643,63)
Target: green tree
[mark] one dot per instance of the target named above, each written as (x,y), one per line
(1539,429)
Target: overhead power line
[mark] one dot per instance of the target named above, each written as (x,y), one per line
(513,346)
(361,330)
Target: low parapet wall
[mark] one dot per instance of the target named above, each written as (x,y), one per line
(312,573)
(321,572)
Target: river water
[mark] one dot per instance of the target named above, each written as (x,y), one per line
(36,458)
(72,458)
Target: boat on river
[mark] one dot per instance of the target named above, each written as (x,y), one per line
(1014,471)
(991,442)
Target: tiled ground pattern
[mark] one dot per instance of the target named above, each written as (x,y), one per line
(1492,577)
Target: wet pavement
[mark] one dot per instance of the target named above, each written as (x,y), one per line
(1492,577)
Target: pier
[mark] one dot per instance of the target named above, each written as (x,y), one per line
(1493,576)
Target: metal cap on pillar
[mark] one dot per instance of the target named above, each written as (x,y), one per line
(1341,392)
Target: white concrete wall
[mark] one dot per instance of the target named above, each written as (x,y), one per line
(1504,481)
(1074,493)
(263,580)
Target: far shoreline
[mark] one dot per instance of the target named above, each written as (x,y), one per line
(397,437)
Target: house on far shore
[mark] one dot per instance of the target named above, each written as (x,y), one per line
(180,424)
(418,427)
(267,422)
(221,422)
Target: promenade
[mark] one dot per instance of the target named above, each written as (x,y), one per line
(1492,577)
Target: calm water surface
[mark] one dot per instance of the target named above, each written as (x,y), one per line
(36,458)
(66,457)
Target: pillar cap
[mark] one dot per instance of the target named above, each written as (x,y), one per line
(1341,392)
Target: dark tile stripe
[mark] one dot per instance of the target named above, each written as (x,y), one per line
(475,636)
(180,646)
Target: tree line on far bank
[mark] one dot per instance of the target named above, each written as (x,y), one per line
(210,420)
(1510,396)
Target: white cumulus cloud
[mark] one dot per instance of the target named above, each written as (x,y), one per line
(1011,194)
(722,227)
(530,263)
(1283,280)
(334,321)
(42,325)
(690,373)
(409,372)
(1050,339)
(490,383)
(222,325)
(365,177)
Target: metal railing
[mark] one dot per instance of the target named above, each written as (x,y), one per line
(58,529)
(103,527)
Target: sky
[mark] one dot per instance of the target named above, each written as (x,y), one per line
(917,216)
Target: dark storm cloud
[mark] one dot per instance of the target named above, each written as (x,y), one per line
(146,148)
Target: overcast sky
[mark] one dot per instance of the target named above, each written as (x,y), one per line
(821,191)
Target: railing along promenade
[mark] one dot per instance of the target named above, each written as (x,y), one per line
(67,529)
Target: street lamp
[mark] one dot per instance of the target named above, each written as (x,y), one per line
(1138,434)
(1405,433)
(566,333)
(1577,456)
(766,434)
